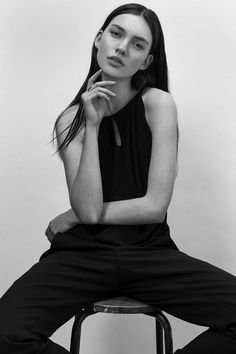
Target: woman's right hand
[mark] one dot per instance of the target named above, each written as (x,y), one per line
(61,223)
(96,98)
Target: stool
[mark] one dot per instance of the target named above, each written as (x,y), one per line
(128,306)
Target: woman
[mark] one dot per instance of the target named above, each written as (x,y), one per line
(118,142)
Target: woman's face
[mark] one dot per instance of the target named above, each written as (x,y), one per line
(129,38)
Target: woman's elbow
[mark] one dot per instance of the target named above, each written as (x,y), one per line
(159,212)
(162,216)
(159,215)
(85,216)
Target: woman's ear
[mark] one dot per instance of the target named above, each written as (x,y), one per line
(147,62)
(98,38)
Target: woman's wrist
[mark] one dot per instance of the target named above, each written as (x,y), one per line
(91,128)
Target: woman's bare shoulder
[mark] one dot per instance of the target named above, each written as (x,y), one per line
(158,96)
(154,98)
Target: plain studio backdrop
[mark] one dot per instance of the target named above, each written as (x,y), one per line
(45,56)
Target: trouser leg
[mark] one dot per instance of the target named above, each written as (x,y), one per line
(50,293)
(187,288)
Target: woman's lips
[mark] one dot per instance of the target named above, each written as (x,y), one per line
(115,61)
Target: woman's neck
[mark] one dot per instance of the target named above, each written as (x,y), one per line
(123,91)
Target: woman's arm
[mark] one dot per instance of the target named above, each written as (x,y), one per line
(81,163)
(81,159)
(86,195)
(161,114)
(129,212)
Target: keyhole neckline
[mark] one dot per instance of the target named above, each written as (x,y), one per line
(115,114)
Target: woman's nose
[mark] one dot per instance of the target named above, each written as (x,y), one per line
(122,48)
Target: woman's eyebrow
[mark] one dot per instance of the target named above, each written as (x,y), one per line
(123,30)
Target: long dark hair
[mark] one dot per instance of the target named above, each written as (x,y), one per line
(156,74)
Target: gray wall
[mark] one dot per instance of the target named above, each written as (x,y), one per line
(45,53)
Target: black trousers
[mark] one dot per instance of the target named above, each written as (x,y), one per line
(68,277)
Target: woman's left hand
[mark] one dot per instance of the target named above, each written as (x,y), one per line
(61,223)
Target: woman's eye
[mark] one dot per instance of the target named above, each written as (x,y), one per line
(138,46)
(114,33)
(117,34)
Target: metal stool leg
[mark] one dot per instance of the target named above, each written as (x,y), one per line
(167,332)
(162,324)
(76,329)
(159,337)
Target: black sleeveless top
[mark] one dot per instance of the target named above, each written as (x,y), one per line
(124,172)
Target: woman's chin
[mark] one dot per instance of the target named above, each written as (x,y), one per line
(110,72)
